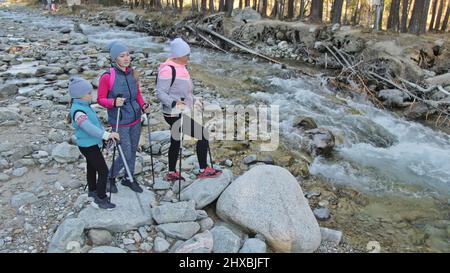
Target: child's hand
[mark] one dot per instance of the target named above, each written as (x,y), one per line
(114,136)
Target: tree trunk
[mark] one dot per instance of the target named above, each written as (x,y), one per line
(356,11)
(379,15)
(211,6)
(347,4)
(316,11)
(180,8)
(274,12)
(439,15)
(302,9)
(405,11)
(394,16)
(424,18)
(221,5)
(447,15)
(416,18)
(247,3)
(336,11)
(290,12)
(264,8)
(254,5)
(433,15)
(230,4)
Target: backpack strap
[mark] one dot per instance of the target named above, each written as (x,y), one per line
(174,75)
(112,78)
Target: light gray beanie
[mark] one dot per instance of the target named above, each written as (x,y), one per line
(79,87)
(179,48)
(115,48)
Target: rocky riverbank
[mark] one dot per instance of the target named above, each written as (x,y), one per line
(43,203)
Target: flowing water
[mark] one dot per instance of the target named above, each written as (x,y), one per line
(402,166)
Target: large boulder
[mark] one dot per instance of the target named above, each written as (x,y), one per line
(182,231)
(177,212)
(205,191)
(9,117)
(130,213)
(268,200)
(23,198)
(65,153)
(70,230)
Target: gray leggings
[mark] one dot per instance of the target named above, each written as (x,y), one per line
(129,140)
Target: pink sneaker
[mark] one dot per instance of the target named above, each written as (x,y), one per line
(209,173)
(173,176)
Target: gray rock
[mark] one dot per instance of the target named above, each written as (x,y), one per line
(331,235)
(146,247)
(250,159)
(100,236)
(8,90)
(161,245)
(206,224)
(65,153)
(69,230)
(23,198)
(72,183)
(182,231)
(106,249)
(228,163)
(4,177)
(19,171)
(225,241)
(253,245)
(267,160)
(200,243)
(161,184)
(201,214)
(322,213)
(130,213)
(128,241)
(143,232)
(392,97)
(177,212)
(321,141)
(65,30)
(205,191)
(268,200)
(125,18)
(245,14)
(45,70)
(161,136)
(9,117)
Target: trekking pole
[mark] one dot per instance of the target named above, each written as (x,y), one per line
(114,150)
(181,153)
(151,150)
(209,150)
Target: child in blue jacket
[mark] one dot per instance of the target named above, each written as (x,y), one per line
(90,135)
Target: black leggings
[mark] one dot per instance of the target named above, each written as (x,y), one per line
(194,130)
(95,164)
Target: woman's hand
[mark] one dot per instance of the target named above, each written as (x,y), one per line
(181,105)
(119,102)
(146,108)
(114,136)
(198,103)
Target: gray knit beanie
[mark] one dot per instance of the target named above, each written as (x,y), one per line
(79,87)
(115,48)
(179,48)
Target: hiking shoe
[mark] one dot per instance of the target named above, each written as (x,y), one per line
(92,194)
(112,185)
(209,173)
(102,203)
(173,176)
(133,186)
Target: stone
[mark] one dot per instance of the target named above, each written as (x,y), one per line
(161,136)
(321,141)
(182,231)
(305,123)
(8,90)
(268,200)
(4,177)
(124,18)
(65,153)
(106,249)
(9,117)
(70,230)
(160,245)
(392,97)
(100,237)
(130,213)
(161,184)
(225,241)
(23,198)
(146,247)
(331,235)
(177,212)
(20,171)
(207,190)
(200,243)
(322,213)
(206,224)
(250,159)
(253,245)
(245,14)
